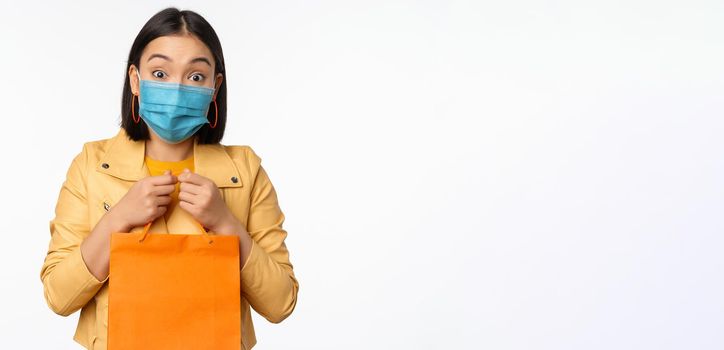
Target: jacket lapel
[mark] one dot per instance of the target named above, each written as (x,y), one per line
(125,159)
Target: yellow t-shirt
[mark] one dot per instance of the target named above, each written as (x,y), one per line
(157,167)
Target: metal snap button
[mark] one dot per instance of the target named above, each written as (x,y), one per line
(105,165)
(106,206)
(234,179)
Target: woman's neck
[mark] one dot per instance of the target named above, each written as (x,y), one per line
(159,150)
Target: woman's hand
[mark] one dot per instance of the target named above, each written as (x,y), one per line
(147,199)
(200,197)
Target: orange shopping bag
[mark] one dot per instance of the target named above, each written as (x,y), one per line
(174,291)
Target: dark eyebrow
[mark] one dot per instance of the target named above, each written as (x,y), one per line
(201,59)
(160,56)
(197,59)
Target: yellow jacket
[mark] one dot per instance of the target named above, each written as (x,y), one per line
(101,174)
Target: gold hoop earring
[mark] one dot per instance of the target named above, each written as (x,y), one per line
(133,109)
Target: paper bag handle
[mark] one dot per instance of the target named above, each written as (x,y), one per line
(148,226)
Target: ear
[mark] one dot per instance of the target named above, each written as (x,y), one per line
(219,80)
(133,79)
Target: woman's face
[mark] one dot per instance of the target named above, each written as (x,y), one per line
(180,59)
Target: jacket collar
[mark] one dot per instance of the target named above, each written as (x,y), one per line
(125,159)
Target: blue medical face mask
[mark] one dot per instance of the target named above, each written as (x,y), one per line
(174,111)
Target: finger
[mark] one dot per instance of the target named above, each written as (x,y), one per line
(191,177)
(190,188)
(164,179)
(187,197)
(163,200)
(162,190)
(186,206)
(160,211)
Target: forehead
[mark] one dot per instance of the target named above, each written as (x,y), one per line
(180,48)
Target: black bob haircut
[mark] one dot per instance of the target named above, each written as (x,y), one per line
(171,21)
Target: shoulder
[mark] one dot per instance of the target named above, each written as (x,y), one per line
(91,151)
(84,160)
(97,147)
(243,154)
(240,151)
(247,161)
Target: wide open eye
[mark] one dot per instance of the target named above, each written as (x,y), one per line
(158,74)
(198,77)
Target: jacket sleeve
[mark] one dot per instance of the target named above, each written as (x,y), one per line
(67,283)
(267,276)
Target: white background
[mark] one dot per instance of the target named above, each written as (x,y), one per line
(455,175)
